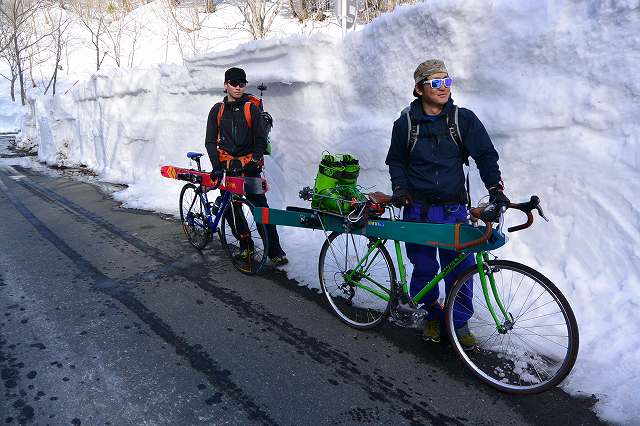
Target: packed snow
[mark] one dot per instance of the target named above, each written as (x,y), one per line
(555,83)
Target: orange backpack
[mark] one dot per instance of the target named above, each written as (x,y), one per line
(247,111)
(247,116)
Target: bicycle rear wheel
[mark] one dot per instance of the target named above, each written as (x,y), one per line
(362,301)
(537,344)
(193,217)
(245,241)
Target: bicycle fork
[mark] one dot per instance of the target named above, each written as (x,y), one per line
(485,271)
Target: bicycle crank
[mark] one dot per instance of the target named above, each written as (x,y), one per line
(406,314)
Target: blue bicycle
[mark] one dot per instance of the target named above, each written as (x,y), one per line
(230,215)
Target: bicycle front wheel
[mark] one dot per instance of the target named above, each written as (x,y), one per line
(533,347)
(193,216)
(356,276)
(245,241)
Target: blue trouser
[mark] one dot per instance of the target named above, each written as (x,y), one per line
(426,266)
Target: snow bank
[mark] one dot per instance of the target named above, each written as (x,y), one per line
(555,83)
(11,116)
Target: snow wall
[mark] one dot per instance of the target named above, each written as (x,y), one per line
(555,83)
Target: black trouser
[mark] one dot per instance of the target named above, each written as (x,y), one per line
(260,200)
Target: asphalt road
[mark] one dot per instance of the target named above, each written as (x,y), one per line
(109,317)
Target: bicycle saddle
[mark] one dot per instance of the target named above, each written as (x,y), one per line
(194,155)
(379,197)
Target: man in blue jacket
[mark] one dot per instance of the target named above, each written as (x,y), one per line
(428,180)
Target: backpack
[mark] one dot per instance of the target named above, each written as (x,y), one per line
(247,116)
(454,132)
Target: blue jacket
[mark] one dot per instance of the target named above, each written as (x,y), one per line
(434,168)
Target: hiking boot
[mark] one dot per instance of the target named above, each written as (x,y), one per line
(431,332)
(279,260)
(466,338)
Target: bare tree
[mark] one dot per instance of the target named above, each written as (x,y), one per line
(134,33)
(40,52)
(184,26)
(9,57)
(115,27)
(5,43)
(123,31)
(259,15)
(8,54)
(310,9)
(59,23)
(93,15)
(18,24)
(371,9)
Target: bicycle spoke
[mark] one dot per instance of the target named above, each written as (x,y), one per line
(546,337)
(511,299)
(544,291)
(541,306)
(540,316)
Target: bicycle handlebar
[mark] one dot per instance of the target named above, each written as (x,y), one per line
(526,207)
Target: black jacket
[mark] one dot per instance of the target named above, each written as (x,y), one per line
(434,167)
(235,135)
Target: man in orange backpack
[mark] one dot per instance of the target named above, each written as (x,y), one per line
(236,141)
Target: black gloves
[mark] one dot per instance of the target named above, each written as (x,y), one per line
(497,197)
(401,198)
(497,200)
(216,175)
(253,168)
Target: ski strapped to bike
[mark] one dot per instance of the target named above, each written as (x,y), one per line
(449,236)
(234,184)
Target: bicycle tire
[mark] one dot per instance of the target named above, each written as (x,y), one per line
(531,361)
(368,310)
(193,216)
(248,249)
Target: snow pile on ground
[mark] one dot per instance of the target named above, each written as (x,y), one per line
(555,83)
(11,116)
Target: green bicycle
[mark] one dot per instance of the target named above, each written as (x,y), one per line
(527,336)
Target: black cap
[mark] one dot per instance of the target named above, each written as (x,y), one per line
(235,74)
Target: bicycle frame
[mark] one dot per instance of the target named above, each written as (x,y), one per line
(484,272)
(214,221)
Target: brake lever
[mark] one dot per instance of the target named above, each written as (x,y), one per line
(501,220)
(541,213)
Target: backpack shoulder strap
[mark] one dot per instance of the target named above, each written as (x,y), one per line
(454,131)
(219,117)
(247,114)
(413,127)
(220,112)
